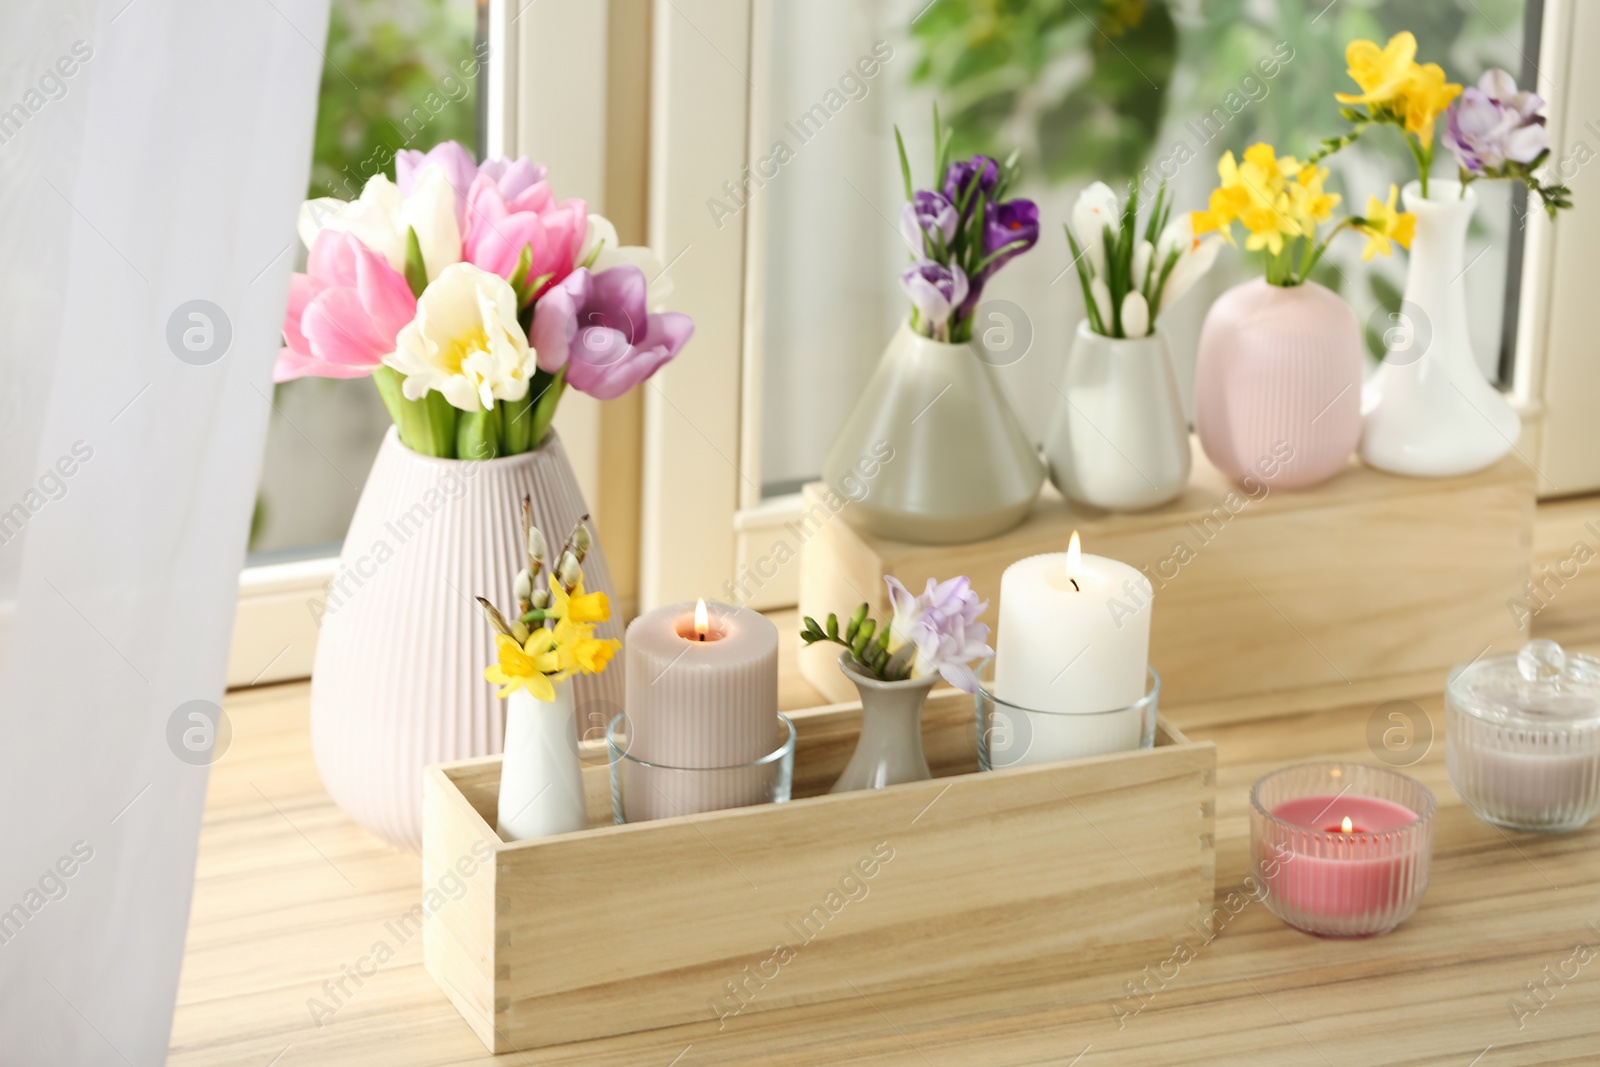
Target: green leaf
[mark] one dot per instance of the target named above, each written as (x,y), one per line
(478,433)
(905,164)
(520,275)
(547,390)
(388,380)
(1081,262)
(416,270)
(516,425)
(531,289)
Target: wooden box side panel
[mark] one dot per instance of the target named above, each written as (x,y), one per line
(459,874)
(746,911)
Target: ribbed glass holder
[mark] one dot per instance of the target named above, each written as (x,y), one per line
(1014,736)
(1323,880)
(641,791)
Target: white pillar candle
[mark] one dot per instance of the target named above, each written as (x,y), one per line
(1068,644)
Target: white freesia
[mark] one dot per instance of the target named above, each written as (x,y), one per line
(1102,300)
(1095,211)
(465,341)
(601,235)
(381,216)
(1141,263)
(1135,315)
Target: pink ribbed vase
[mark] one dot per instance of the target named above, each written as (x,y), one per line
(1278,383)
(398,682)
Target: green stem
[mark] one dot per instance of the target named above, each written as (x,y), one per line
(1424,158)
(547,390)
(516,425)
(478,433)
(427,426)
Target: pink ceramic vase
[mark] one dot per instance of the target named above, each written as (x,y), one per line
(1278,384)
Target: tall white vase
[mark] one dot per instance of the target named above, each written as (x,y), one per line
(1428,411)
(398,682)
(541,778)
(1119,439)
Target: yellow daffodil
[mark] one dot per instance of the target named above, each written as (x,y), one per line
(578,605)
(1384,224)
(1426,97)
(1383,73)
(593,654)
(527,666)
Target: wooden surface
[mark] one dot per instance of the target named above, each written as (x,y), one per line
(290,894)
(1364,576)
(899,888)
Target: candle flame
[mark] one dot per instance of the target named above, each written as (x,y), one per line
(1346,826)
(702,621)
(1074,559)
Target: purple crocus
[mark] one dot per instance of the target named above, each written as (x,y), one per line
(935,290)
(599,327)
(959,174)
(1494,123)
(928,213)
(1006,224)
(942,627)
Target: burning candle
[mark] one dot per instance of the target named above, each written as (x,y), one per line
(702,704)
(1071,653)
(1341,849)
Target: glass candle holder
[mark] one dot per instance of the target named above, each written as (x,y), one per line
(1013,736)
(641,790)
(1522,737)
(1341,849)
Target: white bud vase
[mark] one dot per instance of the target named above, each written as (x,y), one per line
(1428,411)
(541,778)
(889,750)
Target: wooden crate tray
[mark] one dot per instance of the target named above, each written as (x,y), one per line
(967,876)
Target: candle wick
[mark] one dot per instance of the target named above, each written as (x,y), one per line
(1074,582)
(702,637)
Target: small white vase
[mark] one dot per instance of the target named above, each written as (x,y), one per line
(889,750)
(1119,439)
(1428,411)
(541,778)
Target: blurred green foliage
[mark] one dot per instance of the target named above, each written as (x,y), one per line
(398,75)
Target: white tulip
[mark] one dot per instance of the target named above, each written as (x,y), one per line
(465,341)
(1095,211)
(1102,301)
(381,216)
(1135,315)
(602,235)
(1141,263)
(1196,259)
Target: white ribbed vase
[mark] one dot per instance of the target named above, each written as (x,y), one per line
(398,682)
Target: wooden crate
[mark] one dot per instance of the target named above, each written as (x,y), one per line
(616,929)
(1365,576)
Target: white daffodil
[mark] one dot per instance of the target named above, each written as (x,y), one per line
(1135,315)
(465,341)
(601,237)
(1095,211)
(382,215)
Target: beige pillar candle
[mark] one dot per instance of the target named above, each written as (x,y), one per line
(702,699)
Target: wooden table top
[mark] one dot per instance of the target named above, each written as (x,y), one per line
(1499,966)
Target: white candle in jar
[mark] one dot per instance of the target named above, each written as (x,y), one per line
(1073,640)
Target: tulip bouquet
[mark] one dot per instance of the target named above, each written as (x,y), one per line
(1281,203)
(552,638)
(473,298)
(1128,280)
(959,235)
(935,633)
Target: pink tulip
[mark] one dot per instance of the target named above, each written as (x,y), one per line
(343,313)
(500,226)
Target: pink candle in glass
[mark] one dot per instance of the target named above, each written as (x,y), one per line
(1357,876)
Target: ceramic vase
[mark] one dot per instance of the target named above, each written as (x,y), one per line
(1119,439)
(889,750)
(541,777)
(1278,384)
(398,680)
(933,452)
(1429,411)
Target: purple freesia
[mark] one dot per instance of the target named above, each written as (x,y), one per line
(599,327)
(943,629)
(958,176)
(935,290)
(928,213)
(512,176)
(1006,224)
(1494,123)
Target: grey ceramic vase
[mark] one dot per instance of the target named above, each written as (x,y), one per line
(947,458)
(889,750)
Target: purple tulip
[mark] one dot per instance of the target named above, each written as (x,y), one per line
(960,173)
(1006,224)
(928,213)
(599,327)
(935,290)
(1493,124)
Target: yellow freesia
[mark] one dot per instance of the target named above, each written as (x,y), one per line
(1384,224)
(577,605)
(527,666)
(1383,73)
(1257,194)
(1426,97)
(1311,204)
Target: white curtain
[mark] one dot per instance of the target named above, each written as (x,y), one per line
(152,155)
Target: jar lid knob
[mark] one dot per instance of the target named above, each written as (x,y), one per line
(1541,662)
